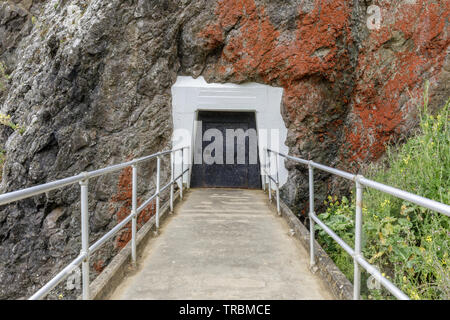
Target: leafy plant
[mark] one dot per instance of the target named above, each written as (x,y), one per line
(408,243)
(6,121)
(4,77)
(2,161)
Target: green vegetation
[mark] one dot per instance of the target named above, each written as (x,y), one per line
(6,121)
(409,244)
(2,161)
(4,77)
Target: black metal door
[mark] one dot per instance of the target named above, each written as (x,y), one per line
(229,175)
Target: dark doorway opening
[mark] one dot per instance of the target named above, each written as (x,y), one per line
(238,173)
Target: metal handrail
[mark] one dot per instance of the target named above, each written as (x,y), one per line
(360,181)
(83,180)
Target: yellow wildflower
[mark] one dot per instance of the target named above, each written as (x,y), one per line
(5,119)
(414,295)
(406,160)
(385,202)
(402,209)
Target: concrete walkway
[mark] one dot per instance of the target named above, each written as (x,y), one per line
(223,244)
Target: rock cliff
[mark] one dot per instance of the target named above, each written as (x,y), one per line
(90,83)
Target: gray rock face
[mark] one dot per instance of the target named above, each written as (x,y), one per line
(90,83)
(92,87)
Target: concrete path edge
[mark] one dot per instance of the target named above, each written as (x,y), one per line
(336,281)
(105,284)
(108,280)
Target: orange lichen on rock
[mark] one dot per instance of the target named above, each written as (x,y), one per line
(409,49)
(260,51)
(124,198)
(313,64)
(99,265)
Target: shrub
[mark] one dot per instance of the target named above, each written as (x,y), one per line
(408,243)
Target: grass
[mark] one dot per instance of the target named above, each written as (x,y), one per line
(6,121)
(409,244)
(4,77)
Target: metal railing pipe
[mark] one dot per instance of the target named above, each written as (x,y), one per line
(269,174)
(358,233)
(277,167)
(312,260)
(182,173)
(35,190)
(97,244)
(333,235)
(179,176)
(83,180)
(306,162)
(171,181)
(41,293)
(32,191)
(263,171)
(110,169)
(146,203)
(379,277)
(357,252)
(188,178)
(337,172)
(158,171)
(421,201)
(164,188)
(85,237)
(134,214)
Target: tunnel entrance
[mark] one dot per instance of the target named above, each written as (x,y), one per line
(248,105)
(226,151)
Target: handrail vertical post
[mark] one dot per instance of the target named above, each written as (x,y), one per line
(188,178)
(158,171)
(358,232)
(182,173)
(263,171)
(311,213)
(171,180)
(134,213)
(277,167)
(85,236)
(269,175)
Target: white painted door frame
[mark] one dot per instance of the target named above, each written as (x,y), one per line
(191,95)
